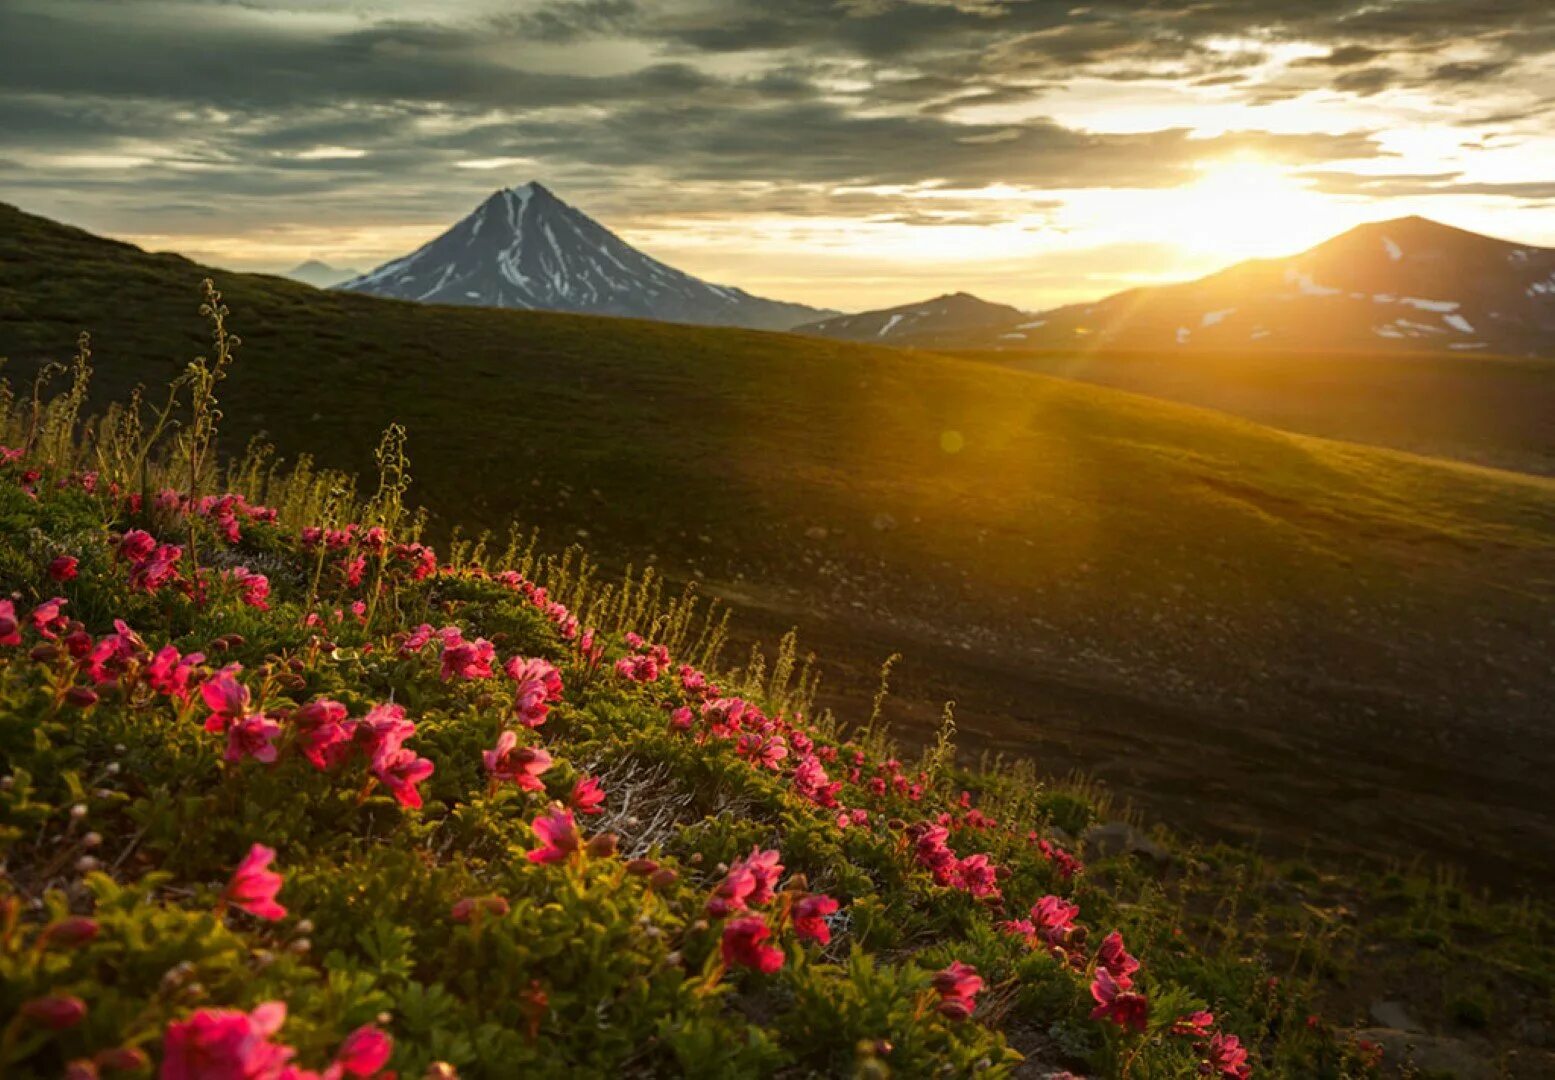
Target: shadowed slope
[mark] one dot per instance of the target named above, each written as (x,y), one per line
(1184,602)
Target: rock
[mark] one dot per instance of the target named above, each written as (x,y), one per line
(1392,1014)
(883,523)
(816,532)
(1432,1053)
(1120,838)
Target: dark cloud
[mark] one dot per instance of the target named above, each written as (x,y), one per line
(1465,71)
(1400,185)
(1345,56)
(1366,81)
(708,100)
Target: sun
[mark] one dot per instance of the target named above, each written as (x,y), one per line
(1248,208)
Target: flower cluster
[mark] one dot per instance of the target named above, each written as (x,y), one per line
(215,1043)
(645,663)
(974,874)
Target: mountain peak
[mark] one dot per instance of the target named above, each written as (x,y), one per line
(529,188)
(1417,231)
(522,247)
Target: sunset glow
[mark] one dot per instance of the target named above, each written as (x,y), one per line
(849,159)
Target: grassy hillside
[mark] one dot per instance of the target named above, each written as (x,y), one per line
(1485,410)
(285,794)
(1181,602)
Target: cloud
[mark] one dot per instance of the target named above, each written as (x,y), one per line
(1409,185)
(170,113)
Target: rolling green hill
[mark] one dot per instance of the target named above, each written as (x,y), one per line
(1486,410)
(1266,632)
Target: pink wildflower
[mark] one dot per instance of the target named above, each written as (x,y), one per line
(384,729)
(558,836)
(168,673)
(352,568)
(47,618)
(745,945)
(399,771)
(810,918)
(157,569)
(1054,917)
(253,736)
(1117,1003)
(957,987)
(365,1051)
(1226,1055)
(10,629)
(538,684)
(1194,1023)
(642,669)
(226,1044)
(111,655)
(324,733)
(766,869)
(978,876)
(732,892)
(136,546)
(255,588)
(520,764)
(762,751)
(226,698)
(417,640)
(1115,958)
(253,886)
(468,659)
(63,568)
(587,795)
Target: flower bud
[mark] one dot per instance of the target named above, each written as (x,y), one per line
(55,1011)
(663,878)
(69,932)
(641,867)
(81,697)
(602,846)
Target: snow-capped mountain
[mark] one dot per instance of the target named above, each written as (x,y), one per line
(944,320)
(1407,284)
(320,274)
(525,248)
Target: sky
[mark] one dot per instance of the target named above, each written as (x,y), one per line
(846,153)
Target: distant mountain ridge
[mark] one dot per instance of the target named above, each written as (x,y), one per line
(525,248)
(320,274)
(943,320)
(1408,284)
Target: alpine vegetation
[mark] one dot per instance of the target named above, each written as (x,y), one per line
(285,792)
